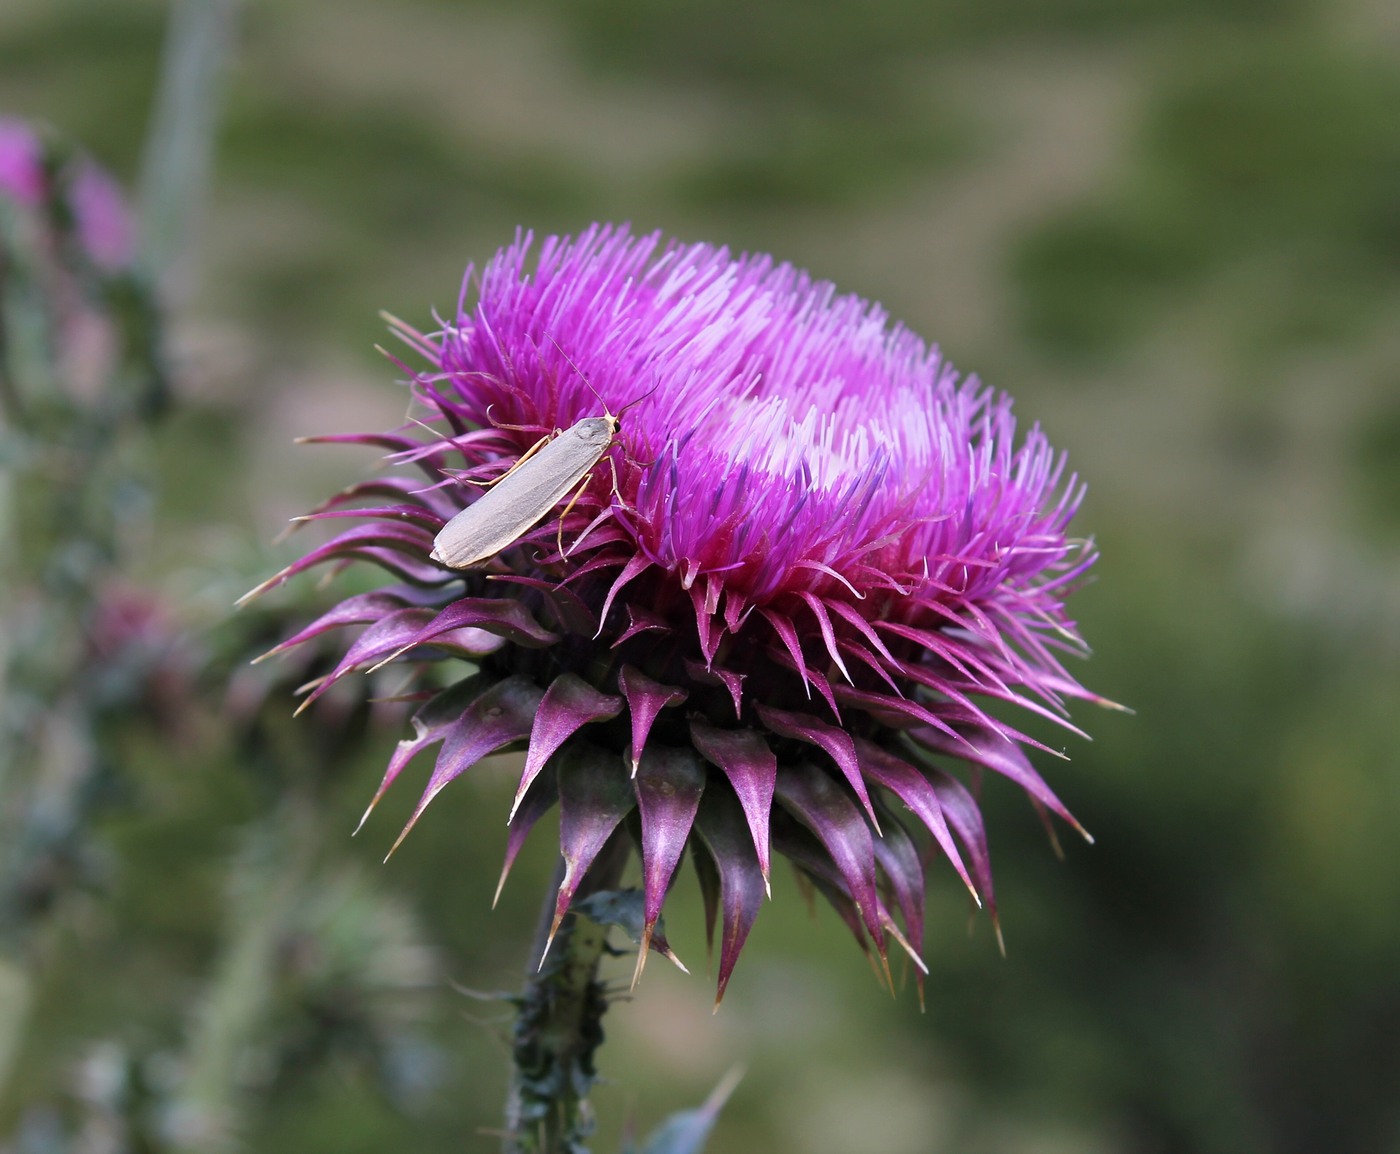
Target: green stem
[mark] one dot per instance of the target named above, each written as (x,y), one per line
(180,139)
(16,999)
(270,875)
(559,1028)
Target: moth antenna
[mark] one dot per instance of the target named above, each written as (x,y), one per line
(638,401)
(607,412)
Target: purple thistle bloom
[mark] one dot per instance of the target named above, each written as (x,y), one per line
(104,226)
(769,621)
(21,163)
(32,171)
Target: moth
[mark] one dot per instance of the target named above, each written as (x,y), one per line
(519,501)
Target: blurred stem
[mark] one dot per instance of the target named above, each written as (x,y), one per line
(11,411)
(16,996)
(270,873)
(180,140)
(559,1027)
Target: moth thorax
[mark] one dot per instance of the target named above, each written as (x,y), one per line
(595,430)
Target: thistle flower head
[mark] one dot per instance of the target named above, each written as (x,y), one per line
(771,618)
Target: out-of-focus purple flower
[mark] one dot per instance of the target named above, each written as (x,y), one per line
(104,225)
(68,260)
(137,657)
(21,163)
(33,171)
(774,618)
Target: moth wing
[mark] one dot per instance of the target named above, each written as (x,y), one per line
(517,503)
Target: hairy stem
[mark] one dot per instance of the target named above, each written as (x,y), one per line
(559,1027)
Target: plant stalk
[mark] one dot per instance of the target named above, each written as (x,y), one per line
(559,1027)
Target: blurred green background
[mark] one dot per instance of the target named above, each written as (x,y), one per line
(1171,228)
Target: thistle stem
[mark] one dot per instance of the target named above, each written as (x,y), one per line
(559,1027)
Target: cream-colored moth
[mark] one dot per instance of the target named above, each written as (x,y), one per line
(521,499)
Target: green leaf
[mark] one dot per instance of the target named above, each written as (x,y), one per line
(685,1131)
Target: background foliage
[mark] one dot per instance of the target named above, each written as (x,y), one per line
(1170,227)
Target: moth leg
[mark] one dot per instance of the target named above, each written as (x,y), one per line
(582,485)
(525,456)
(617,490)
(495,424)
(631,460)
